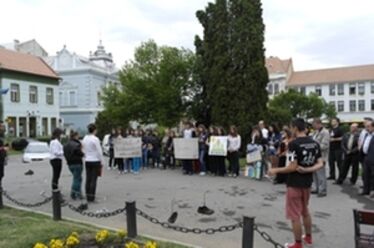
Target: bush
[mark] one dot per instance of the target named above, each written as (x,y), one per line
(19,144)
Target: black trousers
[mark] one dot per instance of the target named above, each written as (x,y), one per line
(335,158)
(350,160)
(92,172)
(368,177)
(111,157)
(187,166)
(56,172)
(233,158)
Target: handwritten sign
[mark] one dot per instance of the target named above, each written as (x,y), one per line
(218,146)
(186,148)
(127,147)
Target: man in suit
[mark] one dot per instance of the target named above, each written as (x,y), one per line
(368,150)
(322,137)
(351,155)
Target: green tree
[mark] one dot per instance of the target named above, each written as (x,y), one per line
(155,86)
(232,75)
(295,104)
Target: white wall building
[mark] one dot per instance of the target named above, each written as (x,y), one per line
(30,108)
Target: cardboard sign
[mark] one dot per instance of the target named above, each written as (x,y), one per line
(218,146)
(127,147)
(186,148)
(254,156)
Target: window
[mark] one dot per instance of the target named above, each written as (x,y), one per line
(361,89)
(318,90)
(340,106)
(14,93)
(33,94)
(302,90)
(372,105)
(341,89)
(72,98)
(276,89)
(352,89)
(361,105)
(270,89)
(352,106)
(372,87)
(98,98)
(61,98)
(49,96)
(332,90)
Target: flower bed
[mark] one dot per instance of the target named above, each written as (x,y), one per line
(102,239)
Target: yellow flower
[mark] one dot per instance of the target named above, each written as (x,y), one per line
(75,234)
(131,245)
(72,241)
(102,236)
(121,233)
(56,243)
(40,245)
(150,244)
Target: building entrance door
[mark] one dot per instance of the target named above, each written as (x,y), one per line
(32,127)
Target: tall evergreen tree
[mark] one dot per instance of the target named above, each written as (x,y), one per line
(232,61)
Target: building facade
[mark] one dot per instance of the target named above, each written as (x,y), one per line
(30,47)
(349,89)
(30,107)
(83,80)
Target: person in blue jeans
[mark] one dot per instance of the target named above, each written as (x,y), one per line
(203,137)
(73,155)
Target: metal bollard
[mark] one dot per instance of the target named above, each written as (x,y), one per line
(56,204)
(131,219)
(1,198)
(248,232)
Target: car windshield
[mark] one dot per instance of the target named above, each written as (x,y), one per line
(37,148)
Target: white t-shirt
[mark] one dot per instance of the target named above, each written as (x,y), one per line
(265,133)
(187,133)
(56,149)
(92,149)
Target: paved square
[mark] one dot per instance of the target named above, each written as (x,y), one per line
(230,198)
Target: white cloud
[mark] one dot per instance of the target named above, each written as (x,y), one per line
(315,33)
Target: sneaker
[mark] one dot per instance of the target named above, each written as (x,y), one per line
(202,173)
(307,240)
(294,245)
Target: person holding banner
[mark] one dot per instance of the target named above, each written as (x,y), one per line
(118,160)
(221,165)
(188,133)
(234,144)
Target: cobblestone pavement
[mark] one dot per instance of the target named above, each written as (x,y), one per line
(155,190)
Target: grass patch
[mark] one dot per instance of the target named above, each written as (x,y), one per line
(22,229)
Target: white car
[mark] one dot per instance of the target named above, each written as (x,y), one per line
(36,151)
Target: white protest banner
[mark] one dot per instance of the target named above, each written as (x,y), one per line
(186,148)
(218,146)
(127,147)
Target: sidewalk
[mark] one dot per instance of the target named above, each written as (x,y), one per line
(231,199)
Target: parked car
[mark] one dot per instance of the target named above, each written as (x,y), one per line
(36,151)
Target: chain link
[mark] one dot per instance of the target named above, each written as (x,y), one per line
(96,215)
(268,238)
(27,205)
(208,231)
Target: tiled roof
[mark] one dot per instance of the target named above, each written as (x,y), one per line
(20,62)
(276,65)
(334,75)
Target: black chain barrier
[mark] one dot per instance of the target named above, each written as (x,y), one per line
(208,231)
(96,215)
(268,238)
(27,205)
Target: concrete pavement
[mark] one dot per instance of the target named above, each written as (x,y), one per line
(231,199)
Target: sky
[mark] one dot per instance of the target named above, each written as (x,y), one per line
(316,34)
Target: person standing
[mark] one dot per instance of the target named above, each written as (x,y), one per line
(136,161)
(368,150)
(335,155)
(94,161)
(188,133)
(282,155)
(264,130)
(111,149)
(234,143)
(364,133)
(322,137)
(3,154)
(203,137)
(169,151)
(304,159)
(56,154)
(351,155)
(73,154)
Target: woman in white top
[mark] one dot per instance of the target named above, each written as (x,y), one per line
(93,161)
(57,153)
(234,144)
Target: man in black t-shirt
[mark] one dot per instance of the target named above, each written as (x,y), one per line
(336,153)
(303,158)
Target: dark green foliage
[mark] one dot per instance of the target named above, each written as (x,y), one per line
(232,72)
